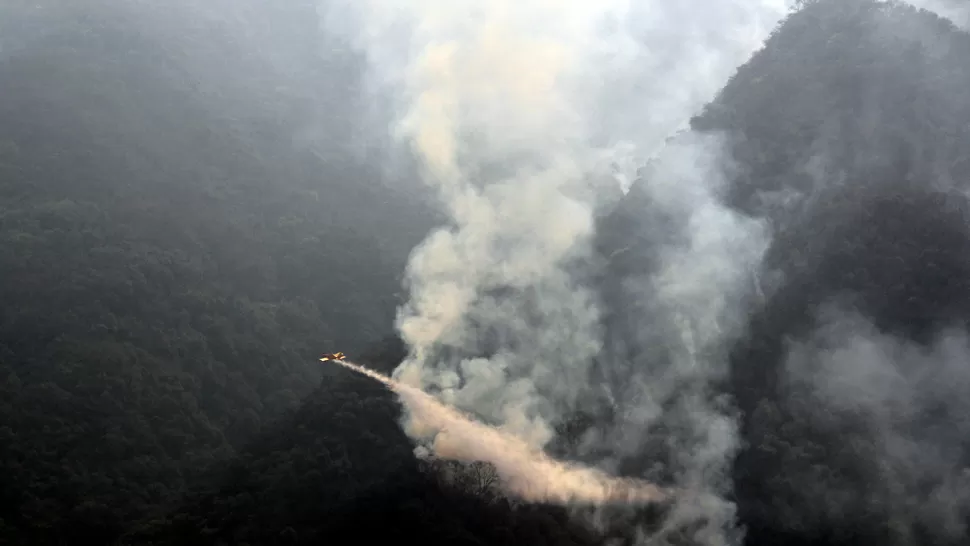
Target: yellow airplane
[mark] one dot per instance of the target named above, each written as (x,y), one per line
(332,356)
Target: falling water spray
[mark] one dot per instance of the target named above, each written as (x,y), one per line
(525,471)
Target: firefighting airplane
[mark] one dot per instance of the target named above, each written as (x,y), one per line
(333,356)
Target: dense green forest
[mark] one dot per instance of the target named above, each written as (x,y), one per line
(173,261)
(169,270)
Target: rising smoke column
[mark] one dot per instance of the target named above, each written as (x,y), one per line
(512,107)
(493,109)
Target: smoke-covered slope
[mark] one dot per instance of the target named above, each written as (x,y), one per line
(850,128)
(175,259)
(852,111)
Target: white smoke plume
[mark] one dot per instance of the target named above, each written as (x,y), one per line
(515,110)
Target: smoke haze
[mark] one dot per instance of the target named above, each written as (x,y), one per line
(885,396)
(799,356)
(857,427)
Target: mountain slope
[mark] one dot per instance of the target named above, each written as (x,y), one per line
(850,127)
(172,263)
(339,470)
(170,272)
(845,127)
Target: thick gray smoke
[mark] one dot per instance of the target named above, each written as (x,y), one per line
(515,110)
(900,411)
(678,323)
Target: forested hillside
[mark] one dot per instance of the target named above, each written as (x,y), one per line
(848,129)
(340,470)
(185,229)
(170,270)
(851,127)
